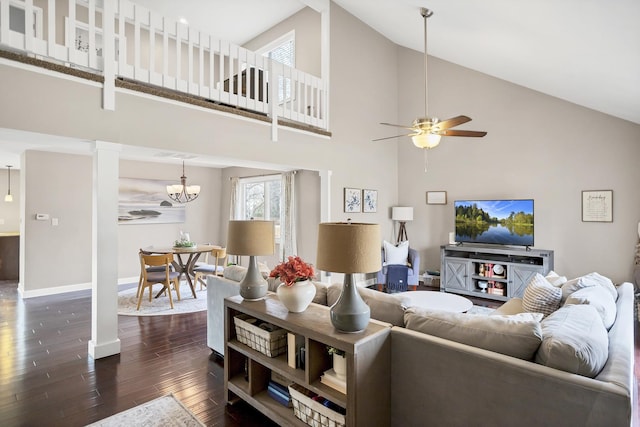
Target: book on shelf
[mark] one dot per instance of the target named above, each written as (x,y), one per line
(295,346)
(331,379)
(279,393)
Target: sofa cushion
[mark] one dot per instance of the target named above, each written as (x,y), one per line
(517,335)
(396,254)
(540,296)
(575,340)
(384,307)
(599,298)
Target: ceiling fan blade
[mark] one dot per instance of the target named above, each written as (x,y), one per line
(391,137)
(453,132)
(452,122)
(398,126)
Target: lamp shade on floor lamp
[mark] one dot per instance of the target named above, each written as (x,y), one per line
(253,238)
(349,248)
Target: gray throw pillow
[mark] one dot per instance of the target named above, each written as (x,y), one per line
(599,298)
(575,340)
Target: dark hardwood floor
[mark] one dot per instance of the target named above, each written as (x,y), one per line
(47,379)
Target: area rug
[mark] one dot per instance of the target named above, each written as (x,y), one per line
(127,302)
(477,309)
(165,411)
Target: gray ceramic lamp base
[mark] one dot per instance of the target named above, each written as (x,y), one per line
(350,313)
(253,286)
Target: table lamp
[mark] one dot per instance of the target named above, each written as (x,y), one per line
(349,248)
(402,214)
(253,238)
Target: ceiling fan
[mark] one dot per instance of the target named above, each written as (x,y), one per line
(426,131)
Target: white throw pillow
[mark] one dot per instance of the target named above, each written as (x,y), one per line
(599,298)
(396,254)
(517,336)
(234,272)
(540,296)
(586,281)
(555,279)
(575,340)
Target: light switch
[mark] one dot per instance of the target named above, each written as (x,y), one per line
(54,222)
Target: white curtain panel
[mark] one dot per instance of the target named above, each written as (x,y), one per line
(234,208)
(288,216)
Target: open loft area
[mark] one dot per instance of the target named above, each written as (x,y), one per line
(165,57)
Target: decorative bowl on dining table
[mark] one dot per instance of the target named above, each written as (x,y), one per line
(184,244)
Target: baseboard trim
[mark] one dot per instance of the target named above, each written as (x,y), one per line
(56,290)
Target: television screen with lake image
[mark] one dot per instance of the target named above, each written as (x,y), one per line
(500,222)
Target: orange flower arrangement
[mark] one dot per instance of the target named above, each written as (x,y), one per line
(294,270)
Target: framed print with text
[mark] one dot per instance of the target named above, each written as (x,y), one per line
(597,206)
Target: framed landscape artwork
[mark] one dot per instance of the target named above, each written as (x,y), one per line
(352,200)
(369,200)
(145,201)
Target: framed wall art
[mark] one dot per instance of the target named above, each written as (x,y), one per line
(597,206)
(145,201)
(369,200)
(352,199)
(436,197)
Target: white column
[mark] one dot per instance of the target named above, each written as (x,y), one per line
(104,297)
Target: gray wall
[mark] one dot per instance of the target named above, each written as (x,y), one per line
(537,147)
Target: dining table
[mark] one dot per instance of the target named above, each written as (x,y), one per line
(185,265)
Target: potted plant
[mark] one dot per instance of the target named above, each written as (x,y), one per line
(296,291)
(339,362)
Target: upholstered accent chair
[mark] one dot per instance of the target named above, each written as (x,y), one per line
(413,267)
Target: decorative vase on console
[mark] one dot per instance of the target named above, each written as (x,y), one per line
(296,290)
(339,362)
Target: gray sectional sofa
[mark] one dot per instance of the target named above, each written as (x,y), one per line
(440,380)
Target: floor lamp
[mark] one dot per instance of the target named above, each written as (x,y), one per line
(402,214)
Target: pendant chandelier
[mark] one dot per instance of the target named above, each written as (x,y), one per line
(8,197)
(183,193)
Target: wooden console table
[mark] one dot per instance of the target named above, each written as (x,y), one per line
(247,371)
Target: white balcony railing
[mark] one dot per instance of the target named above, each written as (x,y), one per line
(156,50)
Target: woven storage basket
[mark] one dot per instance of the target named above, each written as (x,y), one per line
(271,341)
(311,412)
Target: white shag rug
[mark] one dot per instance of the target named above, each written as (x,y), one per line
(127,301)
(165,411)
(477,309)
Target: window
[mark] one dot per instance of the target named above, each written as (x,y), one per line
(282,50)
(260,199)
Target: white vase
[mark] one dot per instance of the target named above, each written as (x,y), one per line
(298,296)
(340,366)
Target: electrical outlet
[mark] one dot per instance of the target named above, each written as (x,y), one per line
(54,222)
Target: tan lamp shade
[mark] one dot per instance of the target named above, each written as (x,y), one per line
(251,237)
(349,247)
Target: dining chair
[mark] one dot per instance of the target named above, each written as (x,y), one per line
(219,255)
(166,276)
(149,269)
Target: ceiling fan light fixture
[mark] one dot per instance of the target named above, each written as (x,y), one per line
(426,140)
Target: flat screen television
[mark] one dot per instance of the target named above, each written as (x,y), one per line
(500,222)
